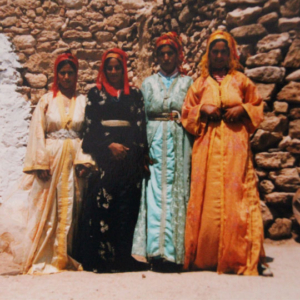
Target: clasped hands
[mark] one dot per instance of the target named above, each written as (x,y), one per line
(229,115)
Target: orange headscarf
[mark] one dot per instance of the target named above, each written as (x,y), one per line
(121,56)
(63,57)
(234,63)
(172,39)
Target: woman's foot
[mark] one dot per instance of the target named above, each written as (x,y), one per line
(265,271)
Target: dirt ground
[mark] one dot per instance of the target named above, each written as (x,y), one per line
(283,258)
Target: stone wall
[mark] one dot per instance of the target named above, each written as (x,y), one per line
(268,34)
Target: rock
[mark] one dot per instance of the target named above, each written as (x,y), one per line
(266,186)
(174,24)
(291,8)
(266,90)
(282,228)
(279,198)
(89,45)
(122,34)
(266,214)
(294,129)
(272,58)
(274,123)
(108,10)
(273,41)
(87,75)
(240,17)
(94,16)
(97,4)
(294,146)
(275,160)
(253,31)
(36,80)
(294,113)
(9,21)
(186,15)
(132,4)
(285,142)
(292,59)
(75,34)
(26,4)
(263,140)
(268,19)
(294,76)
(245,2)
(296,206)
(45,36)
(54,22)
(99,26)
(40,63)
(261,173)
(36,94)
(30,14)
(118,20)
(286,179)
(290,92)
(24,41)
(89,54)
(266,74)
(73,3)
(280,107)
(103,36)
(271,5)
(8,11)
(285,24)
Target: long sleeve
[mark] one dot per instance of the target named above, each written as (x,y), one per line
(37,157)
(93,139)
(191,109)
(253,105)
(141,123)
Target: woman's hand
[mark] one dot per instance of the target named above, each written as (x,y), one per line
(83,170)
(118,151)
(44,175)
(234,114)
(212,112)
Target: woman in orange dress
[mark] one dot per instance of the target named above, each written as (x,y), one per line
(224,229)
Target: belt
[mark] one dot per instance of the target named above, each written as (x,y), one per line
(170,116)
(63,134)
(115,123)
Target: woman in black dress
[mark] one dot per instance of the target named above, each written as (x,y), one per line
(115,136)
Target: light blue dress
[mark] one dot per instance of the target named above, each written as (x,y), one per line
(160,228)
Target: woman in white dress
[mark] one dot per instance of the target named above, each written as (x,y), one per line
(53,205)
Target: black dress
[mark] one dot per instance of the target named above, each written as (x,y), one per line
(113,197)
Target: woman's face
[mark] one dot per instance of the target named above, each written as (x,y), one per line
(114,72)
(167,59)
(66,77)
(219,56)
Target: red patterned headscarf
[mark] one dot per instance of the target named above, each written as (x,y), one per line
(172,39)
(63,57)
(121,56)
(233,63)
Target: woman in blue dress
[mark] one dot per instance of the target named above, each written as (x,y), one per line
(159,233)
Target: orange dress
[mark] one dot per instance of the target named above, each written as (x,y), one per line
(224,229)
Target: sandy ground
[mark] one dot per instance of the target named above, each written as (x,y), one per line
(283,257)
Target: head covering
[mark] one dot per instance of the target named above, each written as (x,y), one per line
(121,56)
(234,63)
(63,57)
(172,39)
